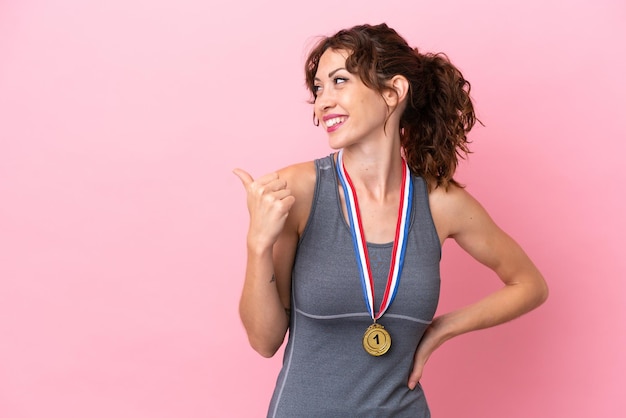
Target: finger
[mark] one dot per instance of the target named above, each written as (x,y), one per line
(281,194)
(279,203)
(416,375)
(287,202)
(267,178)
(275,185)
(419,360)
(243,175)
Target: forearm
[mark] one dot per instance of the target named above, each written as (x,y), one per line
(260,308)
(501,306)
(507,303)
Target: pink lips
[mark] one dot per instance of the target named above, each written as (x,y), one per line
(336,126)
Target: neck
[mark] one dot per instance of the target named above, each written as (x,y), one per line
(375,172)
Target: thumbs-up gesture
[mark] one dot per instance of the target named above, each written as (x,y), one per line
(269,201)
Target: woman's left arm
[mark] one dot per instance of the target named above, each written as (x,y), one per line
(459,216)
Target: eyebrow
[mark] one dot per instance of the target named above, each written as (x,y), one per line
(330,74)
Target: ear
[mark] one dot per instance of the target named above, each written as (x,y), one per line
(397,90)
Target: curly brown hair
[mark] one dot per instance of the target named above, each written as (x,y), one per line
(439,111)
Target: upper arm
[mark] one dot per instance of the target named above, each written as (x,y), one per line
(301,182)
(461,217)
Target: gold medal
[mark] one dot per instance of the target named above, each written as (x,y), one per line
(376,340)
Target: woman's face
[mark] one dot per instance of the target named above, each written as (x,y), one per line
(348,110)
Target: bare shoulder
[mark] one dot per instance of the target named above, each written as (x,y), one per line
(300,178)
(454,210)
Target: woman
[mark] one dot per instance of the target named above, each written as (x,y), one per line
(344,251)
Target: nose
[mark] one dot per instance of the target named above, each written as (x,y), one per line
(325,100)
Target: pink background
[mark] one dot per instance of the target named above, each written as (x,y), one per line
(122,229)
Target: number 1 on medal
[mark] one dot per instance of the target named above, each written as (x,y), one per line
(376,340)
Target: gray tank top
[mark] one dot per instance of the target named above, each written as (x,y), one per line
(326,372)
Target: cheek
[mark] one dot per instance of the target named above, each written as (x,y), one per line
(375,109)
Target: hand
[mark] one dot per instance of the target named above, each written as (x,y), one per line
(269,201)
(429,343)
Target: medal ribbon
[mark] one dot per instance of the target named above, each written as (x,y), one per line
(360,244)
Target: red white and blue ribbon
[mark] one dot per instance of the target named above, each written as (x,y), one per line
(360,243)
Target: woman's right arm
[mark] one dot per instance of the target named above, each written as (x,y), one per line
(278,208)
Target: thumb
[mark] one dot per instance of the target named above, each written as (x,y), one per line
(243,175)
(416,374)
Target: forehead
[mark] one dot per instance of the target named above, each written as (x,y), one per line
(330,60)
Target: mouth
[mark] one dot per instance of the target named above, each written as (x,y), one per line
(333,122)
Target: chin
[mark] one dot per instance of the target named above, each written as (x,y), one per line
(337,143)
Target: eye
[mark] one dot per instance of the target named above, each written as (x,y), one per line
(315,89)
(340,80)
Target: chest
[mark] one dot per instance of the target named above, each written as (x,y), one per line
(379,219)
(327,280)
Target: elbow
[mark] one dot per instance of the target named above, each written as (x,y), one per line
(266,353)
(544,293)
(541,292)
(263,338)
(263,348)
(533,293)
(264,341)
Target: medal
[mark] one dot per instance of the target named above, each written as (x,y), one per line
(376,340)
